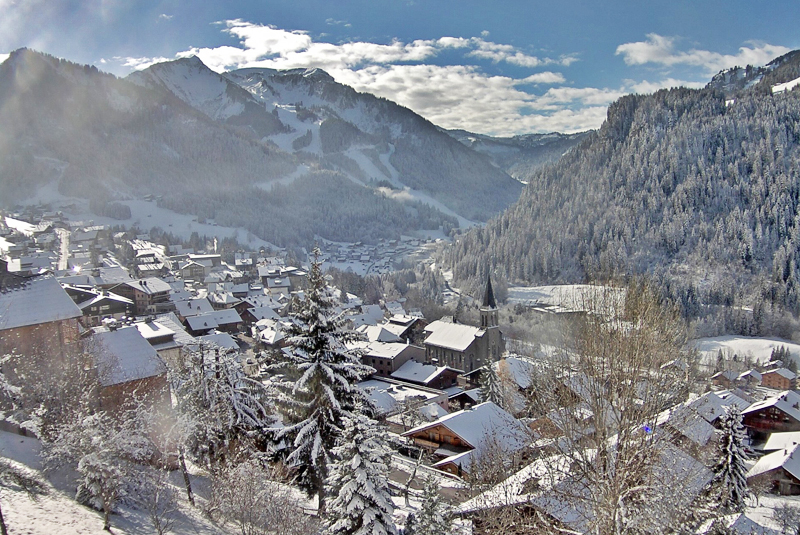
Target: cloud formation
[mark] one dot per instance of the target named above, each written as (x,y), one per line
(660,50)
(461,95)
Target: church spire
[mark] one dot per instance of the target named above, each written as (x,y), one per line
(488,297)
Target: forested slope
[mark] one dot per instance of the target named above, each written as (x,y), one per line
(698,193)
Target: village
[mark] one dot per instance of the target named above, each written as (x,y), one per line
(457,402)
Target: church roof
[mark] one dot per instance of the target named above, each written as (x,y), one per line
(488,297)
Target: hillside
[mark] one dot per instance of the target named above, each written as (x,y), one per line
(369,139)
(520,156)
(205,145)
(702,195)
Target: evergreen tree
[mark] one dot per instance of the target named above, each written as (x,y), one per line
(359,481)
(731,470)
(434,518)
(492,386)
(316,386)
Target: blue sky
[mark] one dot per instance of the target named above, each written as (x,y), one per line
(502,68)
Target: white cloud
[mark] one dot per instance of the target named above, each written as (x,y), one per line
(660,50)
(334,22)
(451,96)
(164,16)
(139,64)
(3,57)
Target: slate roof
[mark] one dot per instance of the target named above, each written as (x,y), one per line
(488,297)
(788,459)
(35,301)
(416,372)
(124,355)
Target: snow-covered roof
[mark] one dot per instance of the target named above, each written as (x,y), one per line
(202,322)
(519,369)
(35,301)
(736,524)
(153,329)
(384,350)
(784,458)
(171,322)
(779,441)
(124,355)
(378,333)
(451,335)
(685,420)
(750,374)
(710,406)
(261,313)
(386,395)
(150,285)
(223,340)
(416,372)
(483,421)
(104,297)
(786,401)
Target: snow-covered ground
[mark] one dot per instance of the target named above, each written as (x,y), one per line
(58,512)
(788,86)
(759,349)
(565,297)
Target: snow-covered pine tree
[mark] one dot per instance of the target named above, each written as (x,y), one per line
(358,481)
(731,470)
(217,403)
(315,385)
(491,386)
(434,518)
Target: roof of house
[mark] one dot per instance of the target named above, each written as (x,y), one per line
(787,401)
(99,298)
(783,372)
(193,307)
(451,335)
(223,340)
(784,458)
(261,313)
(35,301)
(378,333)
(779,441)
(384,350)
(483,421)
(416,372)
(150,285)
(202,322)
(171,322)
(736,524)
(124,355)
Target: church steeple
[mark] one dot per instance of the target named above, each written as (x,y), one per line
(488,297)
(489,307)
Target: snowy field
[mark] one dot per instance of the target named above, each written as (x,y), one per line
(759,349)
(565,297)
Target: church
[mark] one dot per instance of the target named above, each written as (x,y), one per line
(466,347)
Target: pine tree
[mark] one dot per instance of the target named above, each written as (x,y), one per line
(434,518)
(359,481)
(218,403)
(491,386)
(316,386)
(731,470)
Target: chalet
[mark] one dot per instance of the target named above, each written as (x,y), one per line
(224,320)
(781,469)
(463,346)
(750,379)
(105,305)
(193,307)
(780,441)
(378,333)
(150,295)
(162,339)
(191,270)
(776,414)
(779,379)
(128,366)
(408,328)
(36,315)
(460,439)
(736,524)
(440,377)
(725,378)
(388,358)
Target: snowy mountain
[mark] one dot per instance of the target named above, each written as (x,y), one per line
(372,141)
(206,91)
(697,189)
(291,156)
(730,81)
(520,156)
